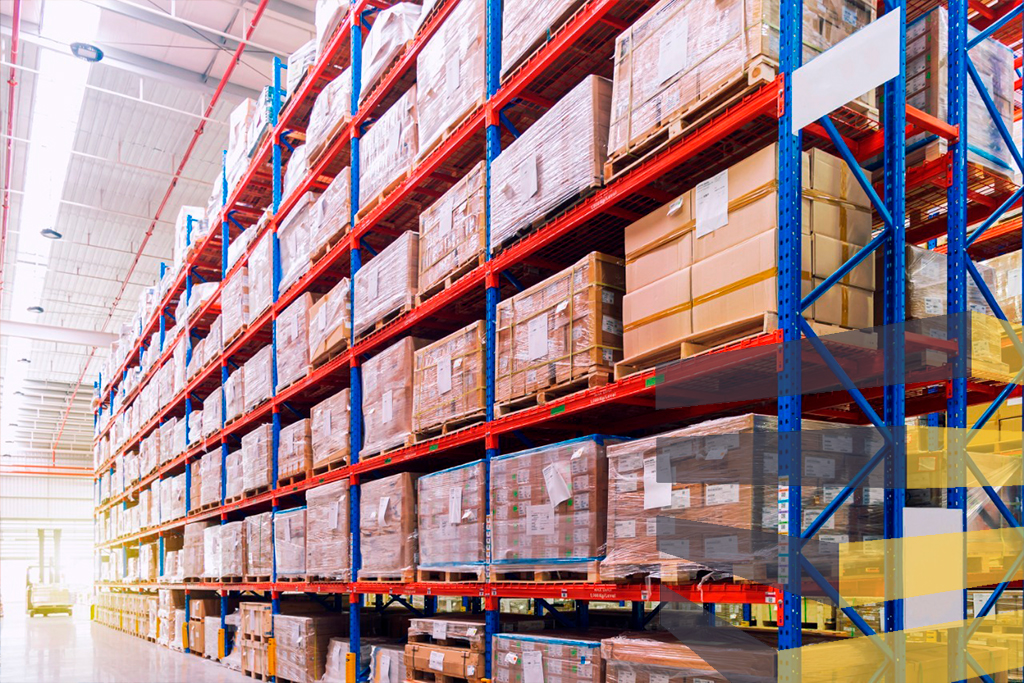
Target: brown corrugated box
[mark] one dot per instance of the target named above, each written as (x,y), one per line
(329,330)
(657,313)
(448,380)
(389,546)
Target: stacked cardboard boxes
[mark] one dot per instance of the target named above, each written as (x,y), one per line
(388,396)
(329,426)
(259,546)
(327,532)
(453,232)
(387,528)
(449,385)
(452,522)
(392,144)
(329,330)
(290,543)
(301,644)
(572,658)
(387,284)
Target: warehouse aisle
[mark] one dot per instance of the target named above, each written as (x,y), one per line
(57,649)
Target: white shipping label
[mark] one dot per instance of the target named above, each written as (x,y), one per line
(385,667)
(540,520)
(850,16)
(454,505)
(451,74)
(387,406)
(511,658)
(611,325)
(558,490)
(382,510)
(321,318)
(712,199)
(672,49)
(288,530)
(652,527)
(580,518)
(436,660)
(979,600)
(333,515)
(934,305)
(438,629)
(607,296)
(537,337)
(837,443)
(657,494)
(471,631)
(327,423)
(444,374)
(582,501)
(371,284)
(811,514)
(626,483)
(625,528)
(824,468)
(533,667)
(721,547)
(656,677)
(721,494)
(445,216)
(681,499)
(715,453)
(528,184)
(624,675)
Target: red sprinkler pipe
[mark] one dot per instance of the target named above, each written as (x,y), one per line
(12,82)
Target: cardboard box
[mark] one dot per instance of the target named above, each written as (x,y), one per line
(391,145)
(329,331)
(453,231)
(329,430)
(259,377)
(387,283)
(327,526)
(449,386)
(387,664)
(387,527)
(293,341)
(657,314)
(388,396)
(331,215)
(575,658)
(302,642)
(849,307)
(290,542)
(257,458)
(452,518)
(445,661)
(295,451)
(258,545)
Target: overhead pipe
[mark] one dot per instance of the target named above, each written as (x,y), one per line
(167,195)
(12,82)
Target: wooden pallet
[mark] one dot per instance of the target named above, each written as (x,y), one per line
(294,478)
(450,426)
(382,195)
(597,376)
(388,317)
(253,578)
(332,241)
(428,676)
(448,280)
(257,676)
(193,579)
(584,572)
(402,576)
(460,575)
(333,352)
(249,493)
(316,578)
(232,579)
(388,449)
(450,129)
(334,462)
(315,153)
(291,579)
(234,499)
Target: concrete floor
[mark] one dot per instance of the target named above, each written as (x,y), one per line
(59,649)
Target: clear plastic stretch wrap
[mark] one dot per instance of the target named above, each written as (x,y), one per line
(293,341)
(453,230)
(450,72)
(571,659)
(257,458)
(714,466)
(210,466)
(927,53)
(1007,290)
(393,28)
(232,549)
(448,380)
(234,394)
(387,283)
(293,238)
(295,171)
(148,562)
(259,377)
(234,477)
(527,23)
(179,626)
(683,53)
(193,563)
(328,539)
(552,162)
(172,498)
(290,542)
(212,552)
(451,505)
(388,395)
(636,657)
(261,284)
(329,323)
(561,328)
(234,303)
(328,17)
(258,545)
(302,642)
(213,410)
(387,527)
(331,111)
(337,651)
(331,214)
(195,488)
(211,627)
(387,664)
(329,427)
(299,63)
(391,145)
(926,284)
(295,450)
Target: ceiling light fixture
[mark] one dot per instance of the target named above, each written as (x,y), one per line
(35,309)
(50,233)
(87,52)
(24,360)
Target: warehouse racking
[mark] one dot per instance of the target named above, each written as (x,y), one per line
(942,197)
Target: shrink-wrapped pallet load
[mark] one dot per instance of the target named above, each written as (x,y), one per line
(232,549)
(526,24)
(261,284)
(451,509)
(387,664)
(1006,270)
(295,171)
(387,528)
(328,17)
(234,394)
(553,162)
(331,215)
(329,427)
(193,562)
(257,458)
(259,378)
(258,545)
(453,232)
(392,29)
(331,112)
(721,476)
(210,466)
(683,58)
(338,650)
(926,284)
(301,644)
(450,72)
(387,283)
(299,63)
(329,331)
(548,508)
(148,557)
(293,238)
(290,542)
(663,657)
(449,386)
(388,396)
(293,341)
(234,476)
(327,525)
(295,451)
(212,552)
(234,304)
(566,328)
(573,659)
(391,145)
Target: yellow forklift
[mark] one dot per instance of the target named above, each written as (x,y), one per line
(45,590)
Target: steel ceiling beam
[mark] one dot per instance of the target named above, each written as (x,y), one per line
(290,11)
(62,335)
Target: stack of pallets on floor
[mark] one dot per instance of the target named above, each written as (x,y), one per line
(254,634)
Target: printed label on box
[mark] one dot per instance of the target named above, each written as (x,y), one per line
(533,667)
(611,325)
(444,374)
(454,505)
(722,546)
(673,48)
(537,337)
(625,528)
(681,499)
(657,494)
(540,520)
(836,443)
(824,468)
(558,490)
(721,494)
(438,629)
(387,407)
(436,660)
(712,203)
(382,510)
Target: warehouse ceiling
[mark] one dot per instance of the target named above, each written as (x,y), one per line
(96,173)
